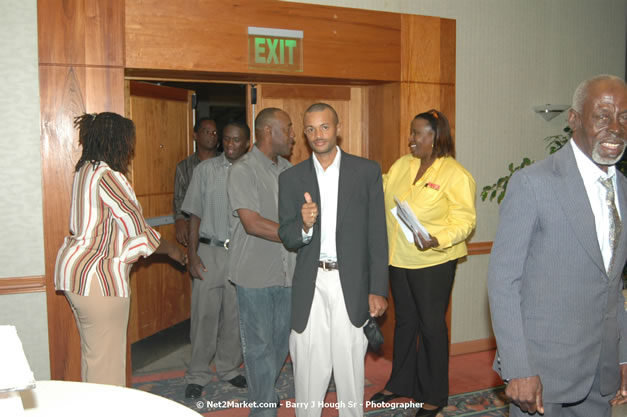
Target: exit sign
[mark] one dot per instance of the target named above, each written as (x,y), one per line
(275,49)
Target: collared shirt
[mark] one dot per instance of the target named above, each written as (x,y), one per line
(328,183)
(182,177)
(443,201)
(591,173)
(207,198)
(107,234)
(253,184)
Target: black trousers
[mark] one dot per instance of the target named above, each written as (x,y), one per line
(420,362)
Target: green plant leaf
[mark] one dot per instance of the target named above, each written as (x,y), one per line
(553,144)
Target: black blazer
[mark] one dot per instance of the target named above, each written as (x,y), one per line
(361,237)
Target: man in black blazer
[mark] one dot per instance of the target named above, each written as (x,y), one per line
(331,211)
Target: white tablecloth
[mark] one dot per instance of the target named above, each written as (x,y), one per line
(80,399)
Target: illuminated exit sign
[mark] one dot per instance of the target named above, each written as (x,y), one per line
(275,49)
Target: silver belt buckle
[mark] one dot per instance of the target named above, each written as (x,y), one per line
(226,244)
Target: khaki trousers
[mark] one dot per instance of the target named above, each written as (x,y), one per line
(102,323)
(214,331)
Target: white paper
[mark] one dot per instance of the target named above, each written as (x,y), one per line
(15,373)
(408,221)
(11,404)
(406,231)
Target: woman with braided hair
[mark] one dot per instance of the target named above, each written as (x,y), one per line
(108,233)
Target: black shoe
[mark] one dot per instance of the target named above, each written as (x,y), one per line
(193,391)
(381,397)
(423,412)
(239,382)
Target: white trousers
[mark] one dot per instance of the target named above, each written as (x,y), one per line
(329,343)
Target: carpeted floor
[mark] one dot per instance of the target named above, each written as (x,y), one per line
(159,364)
(220,399)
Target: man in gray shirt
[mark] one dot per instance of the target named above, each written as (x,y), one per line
(206,138)
(259,265)
(214,319)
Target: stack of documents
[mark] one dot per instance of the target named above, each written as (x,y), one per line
(410,225)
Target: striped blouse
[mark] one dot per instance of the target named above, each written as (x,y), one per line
(107,234)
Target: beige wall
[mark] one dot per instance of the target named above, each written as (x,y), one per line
(511,55)
(21,240)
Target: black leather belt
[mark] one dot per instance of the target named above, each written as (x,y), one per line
(327,266)
(214,242)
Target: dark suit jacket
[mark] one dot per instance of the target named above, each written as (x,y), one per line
(556,312)
(361,237)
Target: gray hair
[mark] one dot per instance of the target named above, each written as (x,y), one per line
(582,90)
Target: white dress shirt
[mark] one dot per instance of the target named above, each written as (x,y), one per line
(328,184)
(597,193)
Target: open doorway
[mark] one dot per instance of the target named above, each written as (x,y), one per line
(221,102)
(166,345)
(163,346)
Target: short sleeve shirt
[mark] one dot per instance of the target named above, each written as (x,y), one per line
(182,177)
(254,262)
(207,198)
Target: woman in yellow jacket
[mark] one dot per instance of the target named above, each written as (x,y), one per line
(441,193)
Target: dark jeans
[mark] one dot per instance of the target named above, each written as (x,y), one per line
(264,320)
(420,362)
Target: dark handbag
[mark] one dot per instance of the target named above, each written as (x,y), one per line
(373,334)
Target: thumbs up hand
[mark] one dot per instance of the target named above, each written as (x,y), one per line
(309,212)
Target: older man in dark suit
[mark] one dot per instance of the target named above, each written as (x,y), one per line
(331,210)
(555,270)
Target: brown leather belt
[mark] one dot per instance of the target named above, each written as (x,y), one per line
(327,266)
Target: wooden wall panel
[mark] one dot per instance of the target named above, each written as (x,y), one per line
(355,129)
(21,285)
(80,70)
(448,48)
(156,205)
(447,106)
(156,165)
(427,49)
(338,42)
(160,290)
(165,293)
(383,123)
(66,92)
(295,99)
(81,32)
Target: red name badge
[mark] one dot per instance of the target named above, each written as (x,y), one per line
(432,185)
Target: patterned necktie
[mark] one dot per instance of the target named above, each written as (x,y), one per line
(614,219)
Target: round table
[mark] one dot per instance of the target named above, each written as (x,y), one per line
(68,399)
